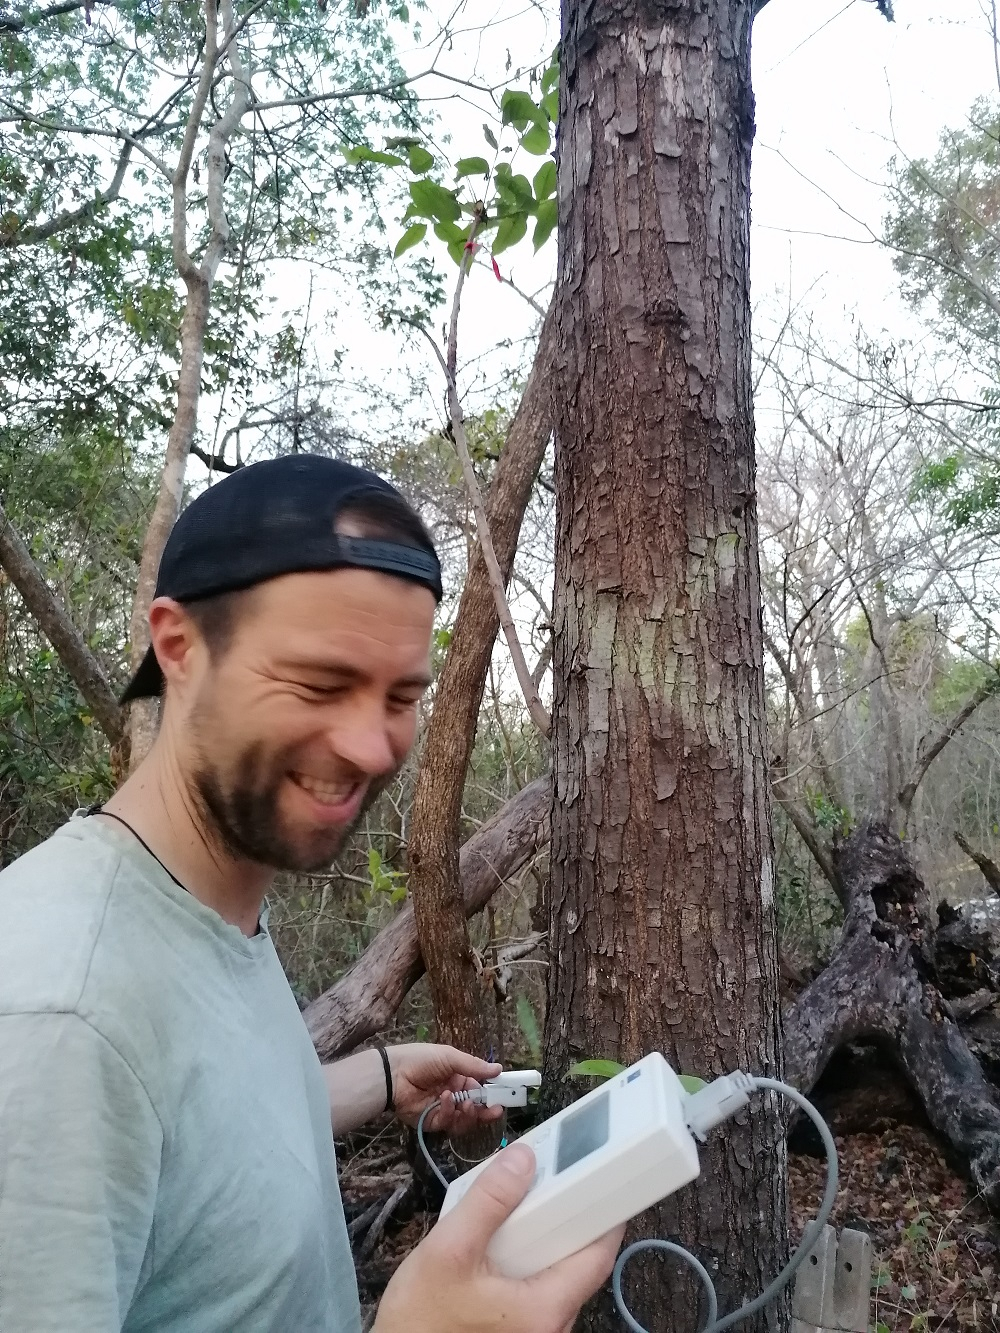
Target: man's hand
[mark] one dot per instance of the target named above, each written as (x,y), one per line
(447,1284)
(422,1073)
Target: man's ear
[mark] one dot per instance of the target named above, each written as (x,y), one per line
(177,641)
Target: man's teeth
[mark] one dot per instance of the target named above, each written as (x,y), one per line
(324,791)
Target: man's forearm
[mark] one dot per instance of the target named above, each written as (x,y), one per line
(357,1090)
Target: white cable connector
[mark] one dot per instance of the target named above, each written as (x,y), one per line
(720,1100)
(516,1078)
(507,1089)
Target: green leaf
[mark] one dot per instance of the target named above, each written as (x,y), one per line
(518,109)
(548,216)
(490,137)
(434,201)
(420,160)
(550,77)
(471,166)
(450,233)
(908,1293)
(550,105)
(411,237)
(690,1083)
(513,189)
(510,231)
(545,180)
(362,153)
(537,140)
(595,1069)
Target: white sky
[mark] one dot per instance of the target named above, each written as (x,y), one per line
(837,89)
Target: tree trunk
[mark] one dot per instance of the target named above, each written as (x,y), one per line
(364,1001)
(198,279)
(883,985)
(144,713)
(434,881)
(662,929)
(54,622)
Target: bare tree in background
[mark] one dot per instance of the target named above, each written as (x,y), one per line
(877,636)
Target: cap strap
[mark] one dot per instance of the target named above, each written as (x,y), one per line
(393,558)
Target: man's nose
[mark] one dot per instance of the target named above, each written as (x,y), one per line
(364,743)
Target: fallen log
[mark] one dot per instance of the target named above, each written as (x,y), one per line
(365,999)
(881,986)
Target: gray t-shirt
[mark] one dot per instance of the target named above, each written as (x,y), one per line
(166,1153)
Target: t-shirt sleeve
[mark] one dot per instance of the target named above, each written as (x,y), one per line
(80,1148)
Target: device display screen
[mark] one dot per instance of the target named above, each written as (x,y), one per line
(583,1132)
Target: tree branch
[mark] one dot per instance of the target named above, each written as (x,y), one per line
(18,22)
(314,99)
(364,1001)
(218,139)
(214,462)
(71,217)
(185,264)
(807,832)
(931,746)
(21,114)
(50,616)
(990,869)
(528,687)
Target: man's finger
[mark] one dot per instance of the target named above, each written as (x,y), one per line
(463,1063)
(495,1194)
(467,1116)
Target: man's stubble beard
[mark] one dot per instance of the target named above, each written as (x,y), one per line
(242,815)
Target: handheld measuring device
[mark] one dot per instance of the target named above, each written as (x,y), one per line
(616,1151)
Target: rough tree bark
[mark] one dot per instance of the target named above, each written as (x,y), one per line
(434,880)
(882,986)
(662,930)
(364,1001)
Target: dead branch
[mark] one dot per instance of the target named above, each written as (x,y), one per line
(364,1001)
(990,869)
(931,746)
(378,1226)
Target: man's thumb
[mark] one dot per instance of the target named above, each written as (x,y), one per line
(492,1199)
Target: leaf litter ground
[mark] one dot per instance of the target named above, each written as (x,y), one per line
(937,1250)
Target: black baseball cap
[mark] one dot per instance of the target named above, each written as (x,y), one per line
(272,518)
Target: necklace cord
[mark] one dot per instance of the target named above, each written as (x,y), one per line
(108,814)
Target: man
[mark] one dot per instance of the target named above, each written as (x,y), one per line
(166,1130)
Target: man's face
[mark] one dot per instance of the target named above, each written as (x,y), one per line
(297,726)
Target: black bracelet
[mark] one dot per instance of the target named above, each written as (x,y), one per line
(389,1104)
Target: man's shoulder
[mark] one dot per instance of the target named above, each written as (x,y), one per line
(53,902)
(73,941)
